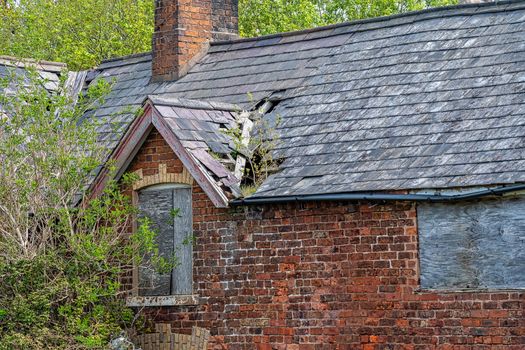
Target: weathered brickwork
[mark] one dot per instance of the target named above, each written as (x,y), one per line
(324,276)
(154,152)
(183,27)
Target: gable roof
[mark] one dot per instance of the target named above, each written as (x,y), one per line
(191,129)
(430,99)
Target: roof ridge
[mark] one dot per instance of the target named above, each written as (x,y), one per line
(41,64)
(499,6)
(121,59)
(161,100)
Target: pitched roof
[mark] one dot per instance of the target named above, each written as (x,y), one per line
(50,72)
(194,130)
(201,129)
(430,99)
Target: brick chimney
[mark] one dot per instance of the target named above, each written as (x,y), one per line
(183,29)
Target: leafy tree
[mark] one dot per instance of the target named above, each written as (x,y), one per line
(78,32)
(81,33)
(60,263)
(260,17)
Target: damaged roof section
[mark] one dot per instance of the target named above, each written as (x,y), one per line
(197,132)
(202,129)
(425,100)
(50,72)
(431,99)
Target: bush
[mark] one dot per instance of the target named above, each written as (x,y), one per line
(61,257)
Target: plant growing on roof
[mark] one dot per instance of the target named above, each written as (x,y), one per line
(255,139)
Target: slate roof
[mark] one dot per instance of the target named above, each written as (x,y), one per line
(430,99)
(202,127)
(50,72)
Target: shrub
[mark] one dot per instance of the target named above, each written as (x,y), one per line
(61,256)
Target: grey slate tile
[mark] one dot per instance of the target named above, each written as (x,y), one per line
(433,99)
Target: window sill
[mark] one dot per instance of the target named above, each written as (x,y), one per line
(169,300)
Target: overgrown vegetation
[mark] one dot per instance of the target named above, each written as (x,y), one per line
(60,263)
(256,145)
(83,32)
(80,33)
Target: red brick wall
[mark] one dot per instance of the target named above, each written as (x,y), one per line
(153,152)
(182,27)
(325,276)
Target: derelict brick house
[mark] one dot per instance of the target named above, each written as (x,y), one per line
(397,217)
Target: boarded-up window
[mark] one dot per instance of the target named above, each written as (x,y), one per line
(169,209)
(473,245)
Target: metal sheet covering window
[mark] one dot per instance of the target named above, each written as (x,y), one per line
(473,245)
(169,209)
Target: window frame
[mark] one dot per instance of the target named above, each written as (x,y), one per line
(452,289)
(136,300)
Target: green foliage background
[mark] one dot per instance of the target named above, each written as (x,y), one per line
(261,17)
(81,33)
(78,32)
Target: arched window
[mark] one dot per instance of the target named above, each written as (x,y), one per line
(168,207)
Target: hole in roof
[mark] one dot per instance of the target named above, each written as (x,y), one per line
(273,105)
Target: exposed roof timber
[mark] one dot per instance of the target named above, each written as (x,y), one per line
(75,83)
(247,126)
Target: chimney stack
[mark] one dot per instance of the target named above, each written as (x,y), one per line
(183,29)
